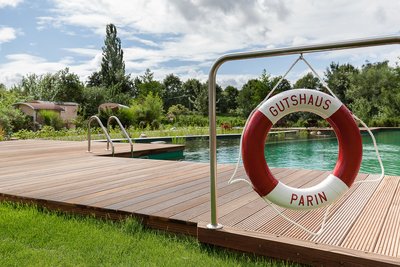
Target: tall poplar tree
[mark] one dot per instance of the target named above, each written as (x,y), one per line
(112,72)
(112,64)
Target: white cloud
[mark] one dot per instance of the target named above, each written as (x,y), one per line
(204,29)
(20,65)
(12,3)
(7,34)
(87,52)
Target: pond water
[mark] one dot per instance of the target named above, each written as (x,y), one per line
(318,154)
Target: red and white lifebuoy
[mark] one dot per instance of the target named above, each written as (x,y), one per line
(349,155)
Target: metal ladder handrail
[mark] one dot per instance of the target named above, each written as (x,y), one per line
(122,129)
(212,77)
(105,132)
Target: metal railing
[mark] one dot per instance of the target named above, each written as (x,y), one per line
(259,54)
(104,130)
(122,129)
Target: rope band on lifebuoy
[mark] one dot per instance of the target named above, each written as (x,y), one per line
(349,155)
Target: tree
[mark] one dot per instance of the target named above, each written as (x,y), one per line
(252,93)
(190,88)
(93,97)
(199,95)
(94,79)
(112,73)
(308,81)
(255,90)
(146,84)
(173,91)
(374,91)
(229,96)
(339,78)
(305,118)
(68,87)
(283,86)
(112,63)
(62,86)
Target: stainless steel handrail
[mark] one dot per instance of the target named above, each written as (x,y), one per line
(122,129)
(104,130)
(258,54)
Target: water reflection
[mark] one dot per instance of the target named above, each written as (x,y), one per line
(320,154)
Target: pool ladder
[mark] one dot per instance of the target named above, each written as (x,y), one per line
(106,132)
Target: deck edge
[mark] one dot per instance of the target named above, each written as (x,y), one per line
(288,249)
(155,222)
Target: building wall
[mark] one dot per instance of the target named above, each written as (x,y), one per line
(69,114)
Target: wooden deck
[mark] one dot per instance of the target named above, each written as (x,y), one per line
(363,228)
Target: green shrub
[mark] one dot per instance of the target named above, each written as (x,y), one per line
(148,113)
(2,134)
(178,109)
(303,134)
(104,114)
(13,120)
(232,121)
(50,118)
(126,116)
(384,122)
(192,120)
(178,140)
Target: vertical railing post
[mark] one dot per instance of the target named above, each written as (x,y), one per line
(213,148)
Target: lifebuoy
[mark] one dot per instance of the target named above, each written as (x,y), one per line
(349,155)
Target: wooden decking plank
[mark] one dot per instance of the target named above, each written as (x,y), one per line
(243,212)
(263,216)
(340,223)
(201,202)
(122,176)
(205,207)
(244,196)
(33,162)
(142,193)
(70,179)
(94,194)
(388,241)
(19,184)
(23,178)
(246,210)
(377,207)
(195,202)
(164,196)
(314,225)
(235,190)
(278,225)
(143,200)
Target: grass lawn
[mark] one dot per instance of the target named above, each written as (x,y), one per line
(30,236)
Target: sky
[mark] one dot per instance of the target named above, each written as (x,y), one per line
(185,37)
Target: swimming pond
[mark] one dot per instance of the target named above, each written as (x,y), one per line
(317,154)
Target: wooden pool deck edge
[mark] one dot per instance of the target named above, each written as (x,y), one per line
(288,249)
(155,222)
